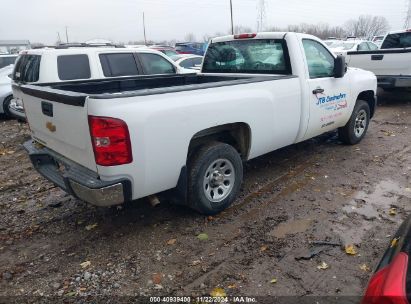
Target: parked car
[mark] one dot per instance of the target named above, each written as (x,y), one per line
(191,48)
(6,94)
(86,63)
(343,47)
(6,60)
(187,61)
(378,40)
(135,137)
(166,50)
(391,63)
(391,280)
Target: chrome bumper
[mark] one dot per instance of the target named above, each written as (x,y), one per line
(17,110)
(77,180)
(390,82)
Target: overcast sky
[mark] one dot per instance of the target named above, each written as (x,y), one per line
(121,20)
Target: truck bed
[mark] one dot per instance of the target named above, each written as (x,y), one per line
(75,92)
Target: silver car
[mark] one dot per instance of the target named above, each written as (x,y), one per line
(6,95)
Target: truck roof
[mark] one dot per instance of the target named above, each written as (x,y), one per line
(399,31)
(88,50)
(261,35)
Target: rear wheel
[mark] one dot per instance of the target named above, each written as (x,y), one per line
(215,177)
(356,128)
(6,105)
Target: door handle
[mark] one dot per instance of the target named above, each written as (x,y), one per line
(377,57)
(318,91)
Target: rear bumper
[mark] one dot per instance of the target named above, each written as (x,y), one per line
(390,82)
(17,111)
(77,180)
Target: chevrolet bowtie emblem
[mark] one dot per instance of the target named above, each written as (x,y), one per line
(50,126)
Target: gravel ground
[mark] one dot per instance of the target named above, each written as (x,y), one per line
(298,209)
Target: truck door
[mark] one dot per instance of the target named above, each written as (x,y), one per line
(329,97)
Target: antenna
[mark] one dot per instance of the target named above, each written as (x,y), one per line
(67,35)
(232,21)
(408,16)
(261,15)
(144,27)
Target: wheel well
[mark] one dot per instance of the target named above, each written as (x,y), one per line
(237,135)
(369,97)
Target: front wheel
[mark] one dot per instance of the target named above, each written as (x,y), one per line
(215,178)
(6,105)
(356,128)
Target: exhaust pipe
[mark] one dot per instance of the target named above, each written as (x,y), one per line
(154,201)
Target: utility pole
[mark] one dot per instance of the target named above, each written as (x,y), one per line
(144,28)
(408,16)
(67,35)
(232,21)
(261,15)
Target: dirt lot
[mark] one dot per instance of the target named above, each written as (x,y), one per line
(298,207)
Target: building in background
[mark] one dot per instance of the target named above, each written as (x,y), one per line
(13,46)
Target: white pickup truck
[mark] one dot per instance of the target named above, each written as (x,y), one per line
(116,140)
(391,63)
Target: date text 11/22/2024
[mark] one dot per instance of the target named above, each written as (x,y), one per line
(205,299)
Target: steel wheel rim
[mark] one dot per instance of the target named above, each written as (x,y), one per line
(360,123)
(219,179)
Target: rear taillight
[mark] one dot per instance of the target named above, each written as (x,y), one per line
(245,36)
(387,286)
(111,141)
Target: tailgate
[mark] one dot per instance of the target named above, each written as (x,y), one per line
(383,62)
(59,121)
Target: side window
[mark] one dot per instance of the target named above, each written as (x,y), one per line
(197,61)
(319,59)
(72,67)
(188,63)
(118,64)
(372,46)
(363,46)
(5,61)
(155,64)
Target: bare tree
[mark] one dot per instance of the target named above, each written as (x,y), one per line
(367,26)
(321,30)
(239,29)
(190,37)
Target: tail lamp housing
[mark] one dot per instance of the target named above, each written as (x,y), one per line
(388,285)
(245,36)
(111,141)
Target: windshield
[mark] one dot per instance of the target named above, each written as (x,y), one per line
(169,52)
(262,56)
(343,45)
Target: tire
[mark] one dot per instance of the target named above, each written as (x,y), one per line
(356,128)
(6,103)
(214,178)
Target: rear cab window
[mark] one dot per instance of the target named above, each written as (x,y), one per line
(27,68)
(72,67)
(258,56)
(119,64)
(397,41)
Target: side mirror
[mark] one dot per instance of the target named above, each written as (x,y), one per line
(339,67)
